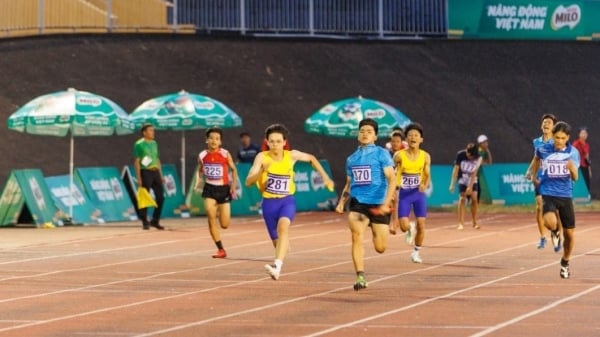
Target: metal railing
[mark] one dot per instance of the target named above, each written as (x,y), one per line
(378,19)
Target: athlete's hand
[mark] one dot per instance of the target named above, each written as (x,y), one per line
(329,185)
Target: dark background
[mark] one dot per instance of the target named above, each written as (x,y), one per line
(457,89)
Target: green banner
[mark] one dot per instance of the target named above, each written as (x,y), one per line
(438,194)
(83,211)
(11,201)
(519,19)
(507,185)
(311,193)
(26,191)
(174,205)
(105,189)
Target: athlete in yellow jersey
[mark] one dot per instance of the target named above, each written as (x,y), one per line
(274,172)
(413,165)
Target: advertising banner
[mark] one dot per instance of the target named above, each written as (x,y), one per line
(311,193)
(83,211)
(105,189)
(26,191)
(521,19)
(508,186)
(438,194)
(174,205)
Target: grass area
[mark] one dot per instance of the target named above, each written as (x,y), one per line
(594,206)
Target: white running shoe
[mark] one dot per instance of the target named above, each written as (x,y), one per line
(273,271)
(415,257)
(460,227)
(410,233)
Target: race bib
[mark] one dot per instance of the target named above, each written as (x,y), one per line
(277,184)
(213,172)
(411,181)
(557,169)
(361,174)
(146,161)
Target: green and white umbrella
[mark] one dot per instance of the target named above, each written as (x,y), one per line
(74,112)
(184,111)
(341,118)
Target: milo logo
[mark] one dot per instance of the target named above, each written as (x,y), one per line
(566,16)
(375,113)
(93,101)
(204,105)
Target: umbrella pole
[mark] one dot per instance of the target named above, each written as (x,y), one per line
(183,162)
(71,177)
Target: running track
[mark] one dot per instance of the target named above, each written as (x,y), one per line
(117,280)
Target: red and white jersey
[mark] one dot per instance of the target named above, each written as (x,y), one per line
(215,166)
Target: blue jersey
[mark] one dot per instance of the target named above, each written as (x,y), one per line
(555,177)
(365,169)
(537,142)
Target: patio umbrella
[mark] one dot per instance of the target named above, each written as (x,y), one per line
(341,118)
(74,112)
(184,111)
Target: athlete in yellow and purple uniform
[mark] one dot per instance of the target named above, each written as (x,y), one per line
(273,170)
(414,167)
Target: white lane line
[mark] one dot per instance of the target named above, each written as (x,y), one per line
(148,277)
(266,306)
(535,312)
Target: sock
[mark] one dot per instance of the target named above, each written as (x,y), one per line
(360,273)
(417,248)
(564,263)
(219,244)
(278,263)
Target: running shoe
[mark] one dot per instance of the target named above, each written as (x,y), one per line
(273,271)
(221,254)
(542,243)
(415,257)
(564,271)
(556,241)
(476,226)
(410,233)
(361,283)
(460,227)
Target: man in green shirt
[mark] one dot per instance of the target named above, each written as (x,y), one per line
(148,172)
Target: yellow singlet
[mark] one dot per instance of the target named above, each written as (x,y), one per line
(411,174)
(278,180)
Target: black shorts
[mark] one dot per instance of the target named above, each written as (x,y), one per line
(219,193)
(563,205)
(358,207)
(463,188)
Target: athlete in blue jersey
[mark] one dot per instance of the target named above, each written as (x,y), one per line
(548,121)
(370,187)
(559,163)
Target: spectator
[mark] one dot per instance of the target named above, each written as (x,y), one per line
(247,150)
(486,159)
(484,150)
(585,166)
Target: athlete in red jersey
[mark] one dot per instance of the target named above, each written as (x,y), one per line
(214,164)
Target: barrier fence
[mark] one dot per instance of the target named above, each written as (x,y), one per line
(331,18)
(103,195)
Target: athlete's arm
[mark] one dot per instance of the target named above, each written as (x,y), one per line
(256,170)
(453,178)
(307,157)
(344,197)
(426,174)
(234,174)
(199,176)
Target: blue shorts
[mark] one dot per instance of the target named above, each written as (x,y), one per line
(412,198)
(274,209)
